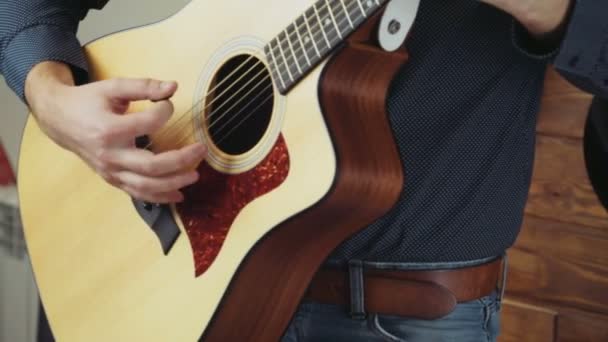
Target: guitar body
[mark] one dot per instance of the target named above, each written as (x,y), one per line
(324,168)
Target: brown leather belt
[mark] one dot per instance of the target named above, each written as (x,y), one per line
(416,294)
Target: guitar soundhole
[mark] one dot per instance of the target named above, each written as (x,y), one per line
(239,104)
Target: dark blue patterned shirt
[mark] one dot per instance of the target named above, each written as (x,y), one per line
(463,112)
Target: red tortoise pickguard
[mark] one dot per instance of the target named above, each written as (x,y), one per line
(212,204)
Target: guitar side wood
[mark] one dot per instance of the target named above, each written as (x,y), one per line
(272,280)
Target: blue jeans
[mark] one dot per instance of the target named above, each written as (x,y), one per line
(474,321)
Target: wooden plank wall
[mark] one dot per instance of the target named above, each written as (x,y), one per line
(557,287)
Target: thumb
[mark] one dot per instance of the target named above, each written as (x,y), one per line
(139,89)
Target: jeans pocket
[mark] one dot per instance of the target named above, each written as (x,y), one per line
(382,330)
(474,321)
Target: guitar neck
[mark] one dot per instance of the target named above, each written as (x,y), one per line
(313,35)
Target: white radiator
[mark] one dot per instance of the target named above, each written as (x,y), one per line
(18,294)
(11,234)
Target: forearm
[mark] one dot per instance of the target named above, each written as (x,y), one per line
(34,31)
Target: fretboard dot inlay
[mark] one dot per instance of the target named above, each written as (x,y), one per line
(314,35)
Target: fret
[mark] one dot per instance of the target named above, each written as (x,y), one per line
(321,25)
(333,34)
(361,7)
(303,46)
(370,6)
(275,75)
(293,52)
(333,18)
(294,58)
(346,14)
(341,19)
(310,35)
(313,35)
(286,62)
(354,12)
(270,51)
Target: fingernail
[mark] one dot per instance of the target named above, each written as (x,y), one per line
(166,85)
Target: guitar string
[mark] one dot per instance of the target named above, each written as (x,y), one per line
(238,101)
(314,35)
(328,19)
(244,119)
(171,129)
(329,8)
(185,115)
(337,35)
(248,115)
(185,136)
(252,101)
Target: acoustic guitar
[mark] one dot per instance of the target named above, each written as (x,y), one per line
(290,98)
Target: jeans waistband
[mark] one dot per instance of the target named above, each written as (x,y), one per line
(356,279)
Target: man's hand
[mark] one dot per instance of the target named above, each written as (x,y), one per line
(540,17)
(87,120)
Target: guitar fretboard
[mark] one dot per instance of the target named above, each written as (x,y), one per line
(313,35)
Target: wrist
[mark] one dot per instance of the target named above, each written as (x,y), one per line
(45,84)
(545,37)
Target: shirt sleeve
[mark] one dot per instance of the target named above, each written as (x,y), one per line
(33,31)
(583,55)
(523,41)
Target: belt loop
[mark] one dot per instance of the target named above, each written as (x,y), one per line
(357,295)
(505,269)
